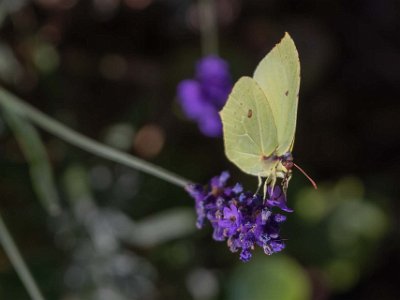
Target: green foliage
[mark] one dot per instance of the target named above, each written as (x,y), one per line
(278,277)
(345,226)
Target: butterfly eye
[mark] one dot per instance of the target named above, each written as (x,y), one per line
(287,160)
(287,164)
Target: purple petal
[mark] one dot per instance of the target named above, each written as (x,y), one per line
(277,246)
(277,198)
(245,255)
(237,189)
(279,218)
(196,191)
(220,181)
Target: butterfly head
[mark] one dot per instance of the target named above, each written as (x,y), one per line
(288,164)
(287,161)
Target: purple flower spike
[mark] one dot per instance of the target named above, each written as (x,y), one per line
(203,97)
(243,219)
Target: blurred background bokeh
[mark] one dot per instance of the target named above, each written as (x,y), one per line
(109,69)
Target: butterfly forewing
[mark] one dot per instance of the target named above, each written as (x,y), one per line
(278,75)
(250,134)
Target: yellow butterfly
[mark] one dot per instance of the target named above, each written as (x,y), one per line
(259,118)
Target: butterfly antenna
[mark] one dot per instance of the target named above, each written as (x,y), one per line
(308,177)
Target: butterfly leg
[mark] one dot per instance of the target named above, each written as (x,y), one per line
(266,188)
(285,182)
(259,185)
(272,179)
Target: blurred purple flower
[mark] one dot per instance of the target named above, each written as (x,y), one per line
(242,219)
(204,96)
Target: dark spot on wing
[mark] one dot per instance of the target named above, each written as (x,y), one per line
(271,157)
(286,93)
(249,113)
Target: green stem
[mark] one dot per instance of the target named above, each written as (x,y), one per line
(63,132)
(17,261)
(208,27)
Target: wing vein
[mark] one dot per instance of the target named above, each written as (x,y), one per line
(259,127)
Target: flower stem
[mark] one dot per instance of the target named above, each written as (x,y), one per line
(208,27)
(17,261)
(63,132)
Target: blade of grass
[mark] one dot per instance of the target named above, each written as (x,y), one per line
(51,125)
(18,263)
(39,166)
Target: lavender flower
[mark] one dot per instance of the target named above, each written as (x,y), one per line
(242,219)
(203,97)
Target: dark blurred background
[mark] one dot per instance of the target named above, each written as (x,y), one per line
(109,69)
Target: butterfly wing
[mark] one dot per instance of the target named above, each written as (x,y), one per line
(278,75)
(249,129)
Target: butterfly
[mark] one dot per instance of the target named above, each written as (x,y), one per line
(259,117)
